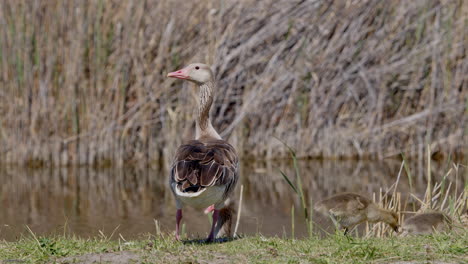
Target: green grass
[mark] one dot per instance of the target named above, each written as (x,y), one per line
(256,249)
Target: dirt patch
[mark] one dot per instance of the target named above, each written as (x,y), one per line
(208,257)
(422,262)
(120,257)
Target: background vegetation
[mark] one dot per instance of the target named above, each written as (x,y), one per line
(83,82)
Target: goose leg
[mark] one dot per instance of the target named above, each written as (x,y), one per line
(211,237)
(178,218)
(335,221)
(209,209)
(346,231)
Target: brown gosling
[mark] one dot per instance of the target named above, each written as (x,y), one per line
(426,223)
(348,210)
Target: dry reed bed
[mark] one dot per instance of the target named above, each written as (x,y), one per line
(440,196)
(83,82)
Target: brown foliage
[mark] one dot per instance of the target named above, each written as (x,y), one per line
(83,82)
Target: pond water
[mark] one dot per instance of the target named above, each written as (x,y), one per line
(126,202)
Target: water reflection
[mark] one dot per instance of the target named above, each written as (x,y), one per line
(85,200)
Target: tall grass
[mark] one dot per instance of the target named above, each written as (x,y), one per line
(83,82)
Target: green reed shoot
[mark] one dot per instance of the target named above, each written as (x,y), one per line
(292,222)
(429,178)
(410,178)
(297,189)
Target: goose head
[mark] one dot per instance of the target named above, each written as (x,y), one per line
(198,73)
(377,214)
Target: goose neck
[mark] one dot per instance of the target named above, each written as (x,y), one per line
(204,128)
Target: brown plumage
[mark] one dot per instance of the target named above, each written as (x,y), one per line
(426,223)
(226,216)
(203,163)
(347,210)
(204,171)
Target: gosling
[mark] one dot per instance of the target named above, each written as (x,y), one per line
(348,210)
(426,223)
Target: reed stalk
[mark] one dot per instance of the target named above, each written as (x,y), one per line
(298,189)
(239,210)
(292,222)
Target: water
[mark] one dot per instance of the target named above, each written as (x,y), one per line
(86,201)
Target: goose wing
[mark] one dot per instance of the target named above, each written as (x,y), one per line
(199,165)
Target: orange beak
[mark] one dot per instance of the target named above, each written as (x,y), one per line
(180,74)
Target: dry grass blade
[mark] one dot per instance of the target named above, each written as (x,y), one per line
(239,211)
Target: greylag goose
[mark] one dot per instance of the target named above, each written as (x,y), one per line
(426,223)
(349,209)
(204,171)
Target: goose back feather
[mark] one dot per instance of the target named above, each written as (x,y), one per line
(343,204)
(426,223)
(202,164)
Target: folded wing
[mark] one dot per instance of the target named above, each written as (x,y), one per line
(199,165)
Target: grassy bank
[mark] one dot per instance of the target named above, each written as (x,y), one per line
(83,82)
(447,248)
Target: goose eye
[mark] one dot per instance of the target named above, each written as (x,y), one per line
(196,67)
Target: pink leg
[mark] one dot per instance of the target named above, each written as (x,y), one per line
(211,237)
(177,227)
(209,209)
